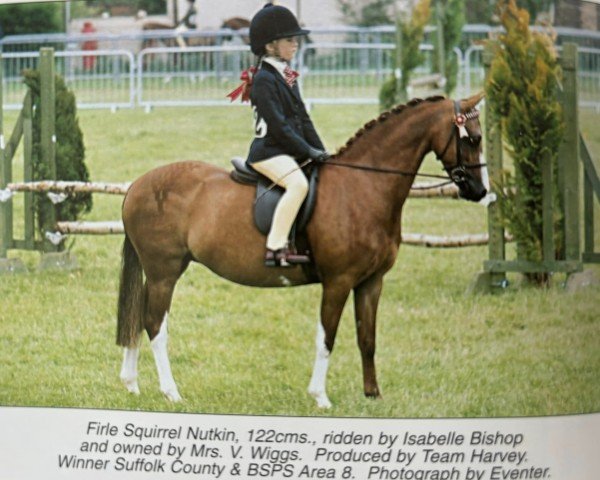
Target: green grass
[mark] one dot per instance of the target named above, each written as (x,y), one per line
(441,352)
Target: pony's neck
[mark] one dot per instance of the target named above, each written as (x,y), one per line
(398,139)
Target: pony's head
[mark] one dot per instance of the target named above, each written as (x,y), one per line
(460,150)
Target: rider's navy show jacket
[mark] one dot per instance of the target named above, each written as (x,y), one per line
(282,124)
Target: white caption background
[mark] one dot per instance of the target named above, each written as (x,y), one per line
(55,443)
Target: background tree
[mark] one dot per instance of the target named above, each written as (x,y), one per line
(452,21)
(19,19)
(411,29)
(479,11)
(536,7)
(522,89)
(367,14)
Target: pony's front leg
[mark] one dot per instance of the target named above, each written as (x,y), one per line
(129,371)
(332,305)
(366,300)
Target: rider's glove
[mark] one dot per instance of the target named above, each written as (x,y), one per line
(318,155)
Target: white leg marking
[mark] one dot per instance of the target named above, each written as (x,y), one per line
(318,380)
(129,369)
(161,358)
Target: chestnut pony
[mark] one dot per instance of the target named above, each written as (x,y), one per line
(193,211)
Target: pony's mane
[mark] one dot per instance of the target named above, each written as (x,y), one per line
(398,109)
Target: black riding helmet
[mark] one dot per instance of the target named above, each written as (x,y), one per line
(272,22)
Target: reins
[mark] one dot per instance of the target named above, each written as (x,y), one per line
(455,174)
(460,120)
(369,168)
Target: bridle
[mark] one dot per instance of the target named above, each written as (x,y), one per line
(458,172)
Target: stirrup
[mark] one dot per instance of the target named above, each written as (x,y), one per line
(284,258)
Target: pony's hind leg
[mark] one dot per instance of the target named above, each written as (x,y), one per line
(366,299)
(129,372)
(159,301)
(163,366)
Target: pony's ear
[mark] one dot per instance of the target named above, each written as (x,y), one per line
(471,102)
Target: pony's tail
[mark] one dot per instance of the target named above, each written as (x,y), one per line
(132,297)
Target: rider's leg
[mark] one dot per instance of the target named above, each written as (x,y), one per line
(284,171)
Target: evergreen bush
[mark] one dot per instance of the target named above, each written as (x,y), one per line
(522,89)
(70,152)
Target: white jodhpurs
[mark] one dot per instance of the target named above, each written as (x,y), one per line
(285,172)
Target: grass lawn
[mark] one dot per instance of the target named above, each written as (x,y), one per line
(441,352)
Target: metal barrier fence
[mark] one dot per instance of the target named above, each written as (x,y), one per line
(589,77)
(333,72)
(189,76)
(104,79)
(588,74)
(134,41)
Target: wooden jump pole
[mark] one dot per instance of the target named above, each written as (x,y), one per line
(69,187)
(421,190)
(415,239)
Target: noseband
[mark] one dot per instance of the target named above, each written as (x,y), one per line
(458,172)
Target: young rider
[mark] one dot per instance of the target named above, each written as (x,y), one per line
(284,133)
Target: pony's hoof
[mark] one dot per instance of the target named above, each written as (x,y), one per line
(322,400)
(373,395)
(173,395)
(131,386)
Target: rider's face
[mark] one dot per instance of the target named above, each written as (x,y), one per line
(285,48)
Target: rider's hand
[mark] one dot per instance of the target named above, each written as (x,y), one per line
(318,155)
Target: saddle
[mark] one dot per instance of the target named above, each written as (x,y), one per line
(267,197)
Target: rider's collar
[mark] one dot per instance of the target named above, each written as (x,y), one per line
(277,63)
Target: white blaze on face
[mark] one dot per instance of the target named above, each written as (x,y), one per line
(484,173)
(490,196)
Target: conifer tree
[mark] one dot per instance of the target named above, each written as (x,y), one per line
(70,152)
(522,89)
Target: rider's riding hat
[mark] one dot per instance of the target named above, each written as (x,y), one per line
(272,22)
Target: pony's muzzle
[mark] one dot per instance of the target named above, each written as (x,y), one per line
(469,187)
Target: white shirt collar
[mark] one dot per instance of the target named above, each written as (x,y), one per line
(277,63)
